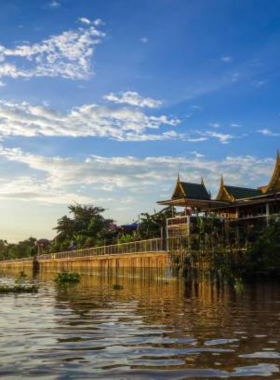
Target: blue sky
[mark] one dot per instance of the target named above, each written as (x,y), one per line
(104,102)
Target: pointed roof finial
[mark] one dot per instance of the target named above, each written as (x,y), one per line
(278,158)
(202,182)
(178,179)
(222,181)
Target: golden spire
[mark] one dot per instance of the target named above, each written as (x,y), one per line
(275,178)
(178,179)
(222,181)
(202,182)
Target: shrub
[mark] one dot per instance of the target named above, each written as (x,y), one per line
(117,287)
(264,254)
(67,278)
(5,289)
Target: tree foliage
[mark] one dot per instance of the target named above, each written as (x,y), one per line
(85,226)
(153,225)
(264,254)
(19,250)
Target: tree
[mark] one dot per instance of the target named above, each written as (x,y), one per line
(153,225)
(4,250)
(24,248)
(86,227)
(264,254)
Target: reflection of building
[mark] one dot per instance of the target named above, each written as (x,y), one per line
(241,206)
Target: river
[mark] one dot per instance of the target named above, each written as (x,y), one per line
(147,330)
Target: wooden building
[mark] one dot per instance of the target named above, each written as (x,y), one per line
(239,206)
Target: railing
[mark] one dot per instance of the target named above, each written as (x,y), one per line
(178,220)
(151,245)
(30,258)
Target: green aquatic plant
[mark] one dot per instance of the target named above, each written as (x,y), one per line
(238,285)
(6,289)
(21,277)
(65,278)
(117,287)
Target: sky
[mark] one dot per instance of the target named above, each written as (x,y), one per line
(105,102)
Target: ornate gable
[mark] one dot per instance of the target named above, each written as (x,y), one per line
(178,191)
(223,194)
(274,183)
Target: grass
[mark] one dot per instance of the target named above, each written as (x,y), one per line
(65,278)
(117,287)
(16,289)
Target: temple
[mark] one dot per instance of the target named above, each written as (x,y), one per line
(242,207)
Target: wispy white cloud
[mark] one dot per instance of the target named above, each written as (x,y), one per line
(67,55)
(226,59)
(223,138)
(133,98)
(197,154)
(121,123)
(268,132)
(214,125)
(54,4)
(259,83)
(144,40)
(85,20)
(150,174)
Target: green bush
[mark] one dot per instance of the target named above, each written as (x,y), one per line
(67,278)
(5,289)
(264,254)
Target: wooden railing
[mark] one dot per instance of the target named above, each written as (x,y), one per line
(151,245)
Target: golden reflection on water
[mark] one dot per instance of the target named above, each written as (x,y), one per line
(148,330)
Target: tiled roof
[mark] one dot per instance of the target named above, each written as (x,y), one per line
(195,191)
(242,192)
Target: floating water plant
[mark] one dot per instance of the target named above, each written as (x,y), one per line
(117,287)
(238,285)
(65,278)
(5,289)
(21,277)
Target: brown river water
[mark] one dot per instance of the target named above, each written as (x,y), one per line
(147,330)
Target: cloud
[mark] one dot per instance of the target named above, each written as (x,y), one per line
(144,40)
(52,179)
(30,188)
(223,138)
(133,98)
(121,123)
(226,59)
(214,125)
(268,132)
(85,20)
(259,83)
(67,55)
(197,154)
(54,4)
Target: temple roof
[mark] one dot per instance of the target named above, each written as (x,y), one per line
(274,183)
(190,190)
(242,192)
(187,194)
(233,193)
(195,190)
